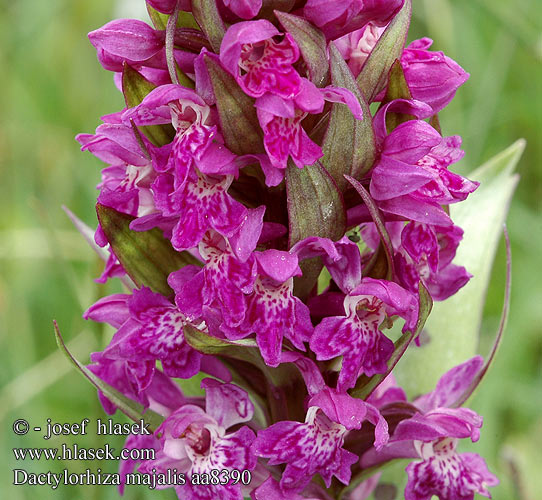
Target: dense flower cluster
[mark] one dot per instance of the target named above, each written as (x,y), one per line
(284,186)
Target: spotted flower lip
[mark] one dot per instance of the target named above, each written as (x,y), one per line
(196,141)
(316,446)
(431,436)
(264,69)
(200,204)
(195,441)
(193,179)
(224,281)
(273,313)
(308,448)
(446,473)
(152,329)
(285,137)
(281,122)
(356,336)
(254,296)
(258,63)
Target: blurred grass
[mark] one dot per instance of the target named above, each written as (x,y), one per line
(54,88)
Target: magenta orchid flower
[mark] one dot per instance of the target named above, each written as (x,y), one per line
(432,77)
(151,329)
(356,336)
(196,143)
(264,69)
(134,42)
(273,312)
(259,63)
(196,441)
(427,252)
(431,436)
(316,446)
(412,179)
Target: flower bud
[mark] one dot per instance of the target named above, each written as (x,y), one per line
(125,39)
(432,77)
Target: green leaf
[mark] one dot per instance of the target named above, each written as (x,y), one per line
(135,88)
(146,256)
(243,349)
(239,122)
(374,74)
(349,144)
(365,385)
(377,268)
(183,79)
(311,270)
(130,408)
(246,350)
(315,208)
(500,331)
(311,42)
(455,323)
(158,19)
(186,20)
(269,386)
(88,233)
(210,22)
(315,205)
(397,84)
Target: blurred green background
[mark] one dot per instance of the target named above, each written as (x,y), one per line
(53,88)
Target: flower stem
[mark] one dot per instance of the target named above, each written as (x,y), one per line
(170,36)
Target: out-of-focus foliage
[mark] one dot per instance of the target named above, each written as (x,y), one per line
(53,87)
